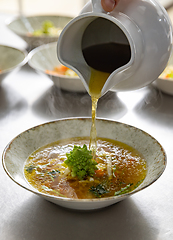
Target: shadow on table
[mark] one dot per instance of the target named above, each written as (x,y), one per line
(56,103)
(156,107)
(39,219)
(11,103)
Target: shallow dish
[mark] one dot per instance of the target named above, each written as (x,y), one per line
(165,85)
(10,59)
(18,150)
(45,58)
(22,25)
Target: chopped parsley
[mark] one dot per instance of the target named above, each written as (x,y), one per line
(30,168)
(99,190)
(123,190)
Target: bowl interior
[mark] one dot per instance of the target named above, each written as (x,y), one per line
(10,58)
(44,57)
(23,145)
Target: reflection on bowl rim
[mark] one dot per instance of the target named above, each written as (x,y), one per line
(35,191)
(20,64)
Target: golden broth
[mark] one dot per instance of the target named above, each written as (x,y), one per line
(120,169)
(96,83)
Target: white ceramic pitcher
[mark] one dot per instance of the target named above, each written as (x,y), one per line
(144,25)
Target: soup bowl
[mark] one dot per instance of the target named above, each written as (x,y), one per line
(22,26)
(18,150)
(44,58)
(10,59)
(165,81)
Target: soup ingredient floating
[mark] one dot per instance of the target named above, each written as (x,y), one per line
(67,169)
(48,29)
(80,162)
(62,70)
(167,73)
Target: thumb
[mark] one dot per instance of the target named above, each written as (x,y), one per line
(109,5)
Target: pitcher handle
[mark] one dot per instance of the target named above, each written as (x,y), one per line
(97,7)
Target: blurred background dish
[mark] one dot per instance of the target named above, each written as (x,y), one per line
(10,59)
(44,60)
(30,28)
(165,80)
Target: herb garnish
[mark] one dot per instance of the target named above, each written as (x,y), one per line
(99,190)
(123,190)
(30,168)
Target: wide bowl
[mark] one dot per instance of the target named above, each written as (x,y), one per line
(24,25)
(11,59)
(45,58)
(165,84)
(18,150)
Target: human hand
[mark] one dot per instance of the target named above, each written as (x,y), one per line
(109,5)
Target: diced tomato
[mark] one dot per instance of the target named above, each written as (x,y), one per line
(99,173)
(51,72)
(61,69)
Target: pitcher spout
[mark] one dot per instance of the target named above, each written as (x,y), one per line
(140,36)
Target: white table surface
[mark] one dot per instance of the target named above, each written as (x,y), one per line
(28,99)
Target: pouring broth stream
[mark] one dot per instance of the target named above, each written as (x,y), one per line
(95,88)
(103,60)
